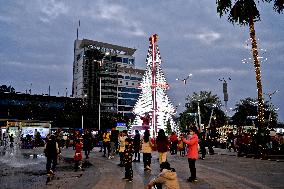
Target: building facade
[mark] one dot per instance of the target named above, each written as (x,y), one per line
(105,77)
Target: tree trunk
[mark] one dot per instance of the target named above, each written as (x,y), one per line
(258,76)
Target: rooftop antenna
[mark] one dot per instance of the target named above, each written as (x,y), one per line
(48,90)
(78,29)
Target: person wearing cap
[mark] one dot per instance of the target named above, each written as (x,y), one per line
(192,152)
(167,179)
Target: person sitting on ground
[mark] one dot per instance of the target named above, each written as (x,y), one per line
(167,179)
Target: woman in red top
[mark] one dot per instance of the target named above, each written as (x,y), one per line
(162,146)
(78,154)
(174,143)
(192,152)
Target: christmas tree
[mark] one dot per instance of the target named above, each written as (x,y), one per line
(153,108)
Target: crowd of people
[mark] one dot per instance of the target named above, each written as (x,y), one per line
(255,144)
(129,149)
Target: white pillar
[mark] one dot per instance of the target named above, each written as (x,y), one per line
(82,122)
(100,103)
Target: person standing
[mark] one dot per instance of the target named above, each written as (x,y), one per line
(11,138)
(136,144)
(202,144)
(127,158)
(87,143)
(51,151)
(174,143)
(113,142)
(192,152)
(162,146)
(122,137)
(78,155)
(147,150)
(106,143)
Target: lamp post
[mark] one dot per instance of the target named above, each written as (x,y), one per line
(212,106)
(184,82)
(270,105)
(100,86)
(84,104)
(198,112)
(225,92)
(100,97)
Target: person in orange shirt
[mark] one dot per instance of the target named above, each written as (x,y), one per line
(192,152)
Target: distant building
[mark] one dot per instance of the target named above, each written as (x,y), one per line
(60,111)
(107,71)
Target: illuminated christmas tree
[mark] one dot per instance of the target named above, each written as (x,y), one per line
(153,107)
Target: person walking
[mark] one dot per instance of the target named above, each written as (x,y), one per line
(51,151)
(162,146)
(147,150)
(192,152)
(137,145)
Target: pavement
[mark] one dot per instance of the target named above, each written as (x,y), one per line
(222,170)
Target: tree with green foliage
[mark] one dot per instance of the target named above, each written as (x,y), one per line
(188,118)
(246,111)
(245,12)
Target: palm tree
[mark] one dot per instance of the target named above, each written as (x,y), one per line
(245,12)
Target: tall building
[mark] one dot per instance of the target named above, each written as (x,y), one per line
(105,77)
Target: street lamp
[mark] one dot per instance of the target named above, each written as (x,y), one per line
(184,81)
(100,86)
(198,111)
(212,106)
(84,103)
(270,104)
(225,92)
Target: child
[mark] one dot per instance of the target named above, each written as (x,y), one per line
(166,179)
(128,154)
(78,155)
(181,146)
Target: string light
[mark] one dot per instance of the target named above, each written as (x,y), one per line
(144,105)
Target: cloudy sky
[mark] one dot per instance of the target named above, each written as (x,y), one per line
(37,38)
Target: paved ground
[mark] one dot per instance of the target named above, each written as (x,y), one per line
(222,170)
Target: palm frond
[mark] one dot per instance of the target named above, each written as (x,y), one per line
(278,6)
(223,6)
(242,11)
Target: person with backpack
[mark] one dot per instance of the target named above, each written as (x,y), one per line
(51,151)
